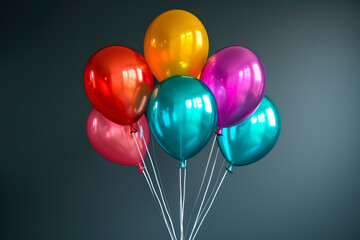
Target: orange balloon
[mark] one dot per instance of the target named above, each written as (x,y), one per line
(176,43)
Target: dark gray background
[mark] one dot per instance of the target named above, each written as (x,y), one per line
(55,186)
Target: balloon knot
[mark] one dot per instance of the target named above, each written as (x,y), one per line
(141,168)
(229,168)
(218,132)
(182,164)
(133,129)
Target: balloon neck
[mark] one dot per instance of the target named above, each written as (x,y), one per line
(218,132)
(133,129)
(229,168)
(182,164)
(141,168)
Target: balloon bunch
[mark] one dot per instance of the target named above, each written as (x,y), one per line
(184,111)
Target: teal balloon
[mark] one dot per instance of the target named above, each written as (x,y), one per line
(182,115)
(252,139)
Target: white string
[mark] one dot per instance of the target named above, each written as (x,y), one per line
(157,181)
(211,203)
(154,170)
(152,192)
(150,187)
(158,172)
(153,189)
(147,180)
(214,188)
(202,183)
(182,202)
(162,211)
(180,206)
(203,199)
(182,188)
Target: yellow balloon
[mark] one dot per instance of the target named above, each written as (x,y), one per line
(176,43)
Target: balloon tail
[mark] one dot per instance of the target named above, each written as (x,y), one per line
(211,203)
(218,132)
(183,164)
(133,129)
(230,168)
(141,168)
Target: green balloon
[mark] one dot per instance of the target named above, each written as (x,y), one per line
(252,139)
(182,115)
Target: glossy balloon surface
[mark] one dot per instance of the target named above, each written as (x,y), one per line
(237,78)
(182,115)
(176,43)
(118,82)
(252,139)
(115,142)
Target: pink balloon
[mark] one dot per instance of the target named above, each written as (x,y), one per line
(115,142)
(237,78)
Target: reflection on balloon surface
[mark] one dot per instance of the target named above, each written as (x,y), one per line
(115,142)
(252,139)
(118,82)
(237,78)
(182,115)
(176,43)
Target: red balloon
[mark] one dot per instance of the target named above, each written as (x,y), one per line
(114,142)
(118,83)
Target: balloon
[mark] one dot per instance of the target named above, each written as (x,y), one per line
(252,139)
(118,82)
(237,78)
(176,43)
(182,115)
(114,142)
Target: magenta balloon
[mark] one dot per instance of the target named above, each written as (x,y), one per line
(237,78)
(115,142)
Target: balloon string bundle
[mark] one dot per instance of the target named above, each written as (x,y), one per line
(152,189)
(201,185)
(214,188)
(157,180)
(182,190)
(206,190)
(211,203)
(196,97)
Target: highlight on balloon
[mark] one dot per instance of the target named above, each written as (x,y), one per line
(218,101)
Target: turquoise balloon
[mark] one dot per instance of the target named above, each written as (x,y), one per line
(252,139)
(182,115)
